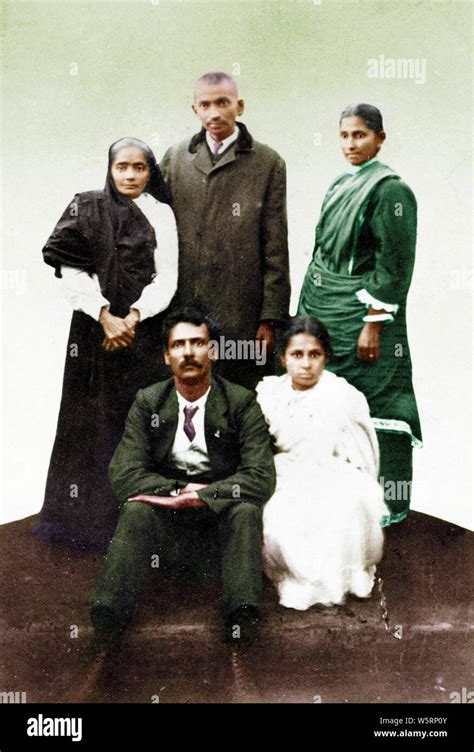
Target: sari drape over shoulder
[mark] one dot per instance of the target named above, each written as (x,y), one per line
(365,240)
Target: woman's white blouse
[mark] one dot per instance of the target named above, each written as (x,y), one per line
(83,290)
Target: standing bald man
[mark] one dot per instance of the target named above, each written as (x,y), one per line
(229,198)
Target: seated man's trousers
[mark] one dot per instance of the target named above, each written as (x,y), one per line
(187,536)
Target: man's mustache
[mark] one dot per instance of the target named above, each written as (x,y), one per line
(189,362)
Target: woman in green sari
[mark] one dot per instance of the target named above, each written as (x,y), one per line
(357,284)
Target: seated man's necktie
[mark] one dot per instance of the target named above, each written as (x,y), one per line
(188,427)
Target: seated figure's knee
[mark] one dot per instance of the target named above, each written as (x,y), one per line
(134,514)
(244,514)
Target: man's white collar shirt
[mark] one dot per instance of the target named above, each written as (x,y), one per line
(225,143)
(191,456)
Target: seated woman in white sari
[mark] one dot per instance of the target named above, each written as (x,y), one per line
(322,532)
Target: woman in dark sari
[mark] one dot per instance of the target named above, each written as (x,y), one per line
(357,284)
(119,281)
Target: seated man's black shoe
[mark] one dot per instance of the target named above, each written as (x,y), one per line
(108,634)
(241,626)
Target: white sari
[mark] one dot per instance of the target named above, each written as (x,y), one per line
(322,534)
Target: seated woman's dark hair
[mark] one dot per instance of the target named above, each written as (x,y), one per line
(370,114)
(191,313)
(305,325)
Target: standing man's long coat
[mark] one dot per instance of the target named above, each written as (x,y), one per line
(232,227)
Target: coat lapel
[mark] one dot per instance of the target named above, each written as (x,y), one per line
(167,412)
(216,424)
(229,156)
(220,437)
(202,159)
(216,408)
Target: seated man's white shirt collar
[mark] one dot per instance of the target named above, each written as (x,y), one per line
(200,403)
(191,456)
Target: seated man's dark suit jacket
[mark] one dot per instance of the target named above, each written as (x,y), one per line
(237,438)
(241,480)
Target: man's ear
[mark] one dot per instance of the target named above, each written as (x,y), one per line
(282,361)
(240,106)
(213,350)
(193,107)
(167,360)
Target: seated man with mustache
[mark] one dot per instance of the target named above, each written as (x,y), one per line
(192,472)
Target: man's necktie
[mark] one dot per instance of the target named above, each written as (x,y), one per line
(216,146)
(189,429)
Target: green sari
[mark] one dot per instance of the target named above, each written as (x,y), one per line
(365,240)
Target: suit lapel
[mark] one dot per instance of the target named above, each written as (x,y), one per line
(215,422)
(167,412)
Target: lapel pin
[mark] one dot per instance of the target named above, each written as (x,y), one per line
(217,434)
